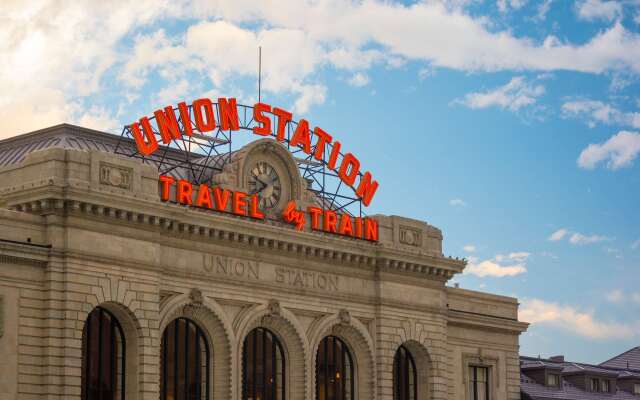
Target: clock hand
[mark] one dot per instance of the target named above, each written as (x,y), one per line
(260,180)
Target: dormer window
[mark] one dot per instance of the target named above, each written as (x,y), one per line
(595,385)
(553,380)
(605,386)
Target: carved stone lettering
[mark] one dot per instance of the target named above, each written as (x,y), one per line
(306,279)
(232,267)
(113,175)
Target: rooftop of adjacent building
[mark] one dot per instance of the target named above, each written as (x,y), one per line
(573,380)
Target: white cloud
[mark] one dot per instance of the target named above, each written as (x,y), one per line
(618,151)
(67,49)
(358,79)
(621,297)
(543,8)
(549,254)
(635,245)
(470,248)
(514,95)
(579,238)
(614,296)
(97,118)
(54,55)
(594,111)
(425,72)
(519,256)
(505,5)
(308,96)
(173,93)
(558,235)
(500,266)
(583,323)
(457,203)
(599,9)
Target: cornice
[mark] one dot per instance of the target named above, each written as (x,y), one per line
(485,321)
(23,253)
(174,219)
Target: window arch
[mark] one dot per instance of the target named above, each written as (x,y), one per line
(184,360)
(263,366)
(103,357)
(334,370)
(405,377)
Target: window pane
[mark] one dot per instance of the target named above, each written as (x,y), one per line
(184,362)
(334,370)
(263,366)
(479,388)
(103,349)
(472,382)
(404,375)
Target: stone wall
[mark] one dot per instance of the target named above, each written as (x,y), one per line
(86,229)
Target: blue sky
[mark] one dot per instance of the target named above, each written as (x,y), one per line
(512,125)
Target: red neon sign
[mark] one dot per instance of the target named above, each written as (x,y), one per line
(331,222)
(203,196)
(243,204)
(171,126)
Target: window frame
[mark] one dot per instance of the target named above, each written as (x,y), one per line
(115,373)
(346,355)
(200,334)
(409,365)
(276,346)
(555,376)
(490,360)
(474,380)
(594,384)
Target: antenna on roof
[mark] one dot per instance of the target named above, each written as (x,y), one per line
(259,72)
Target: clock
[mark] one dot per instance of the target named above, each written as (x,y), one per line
(264,181)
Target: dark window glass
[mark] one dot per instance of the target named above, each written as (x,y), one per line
(103,357)
(184,360)
(334,370)
(404,376)
(478,383)
(262,366)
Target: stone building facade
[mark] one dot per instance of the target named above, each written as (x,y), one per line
(82,228)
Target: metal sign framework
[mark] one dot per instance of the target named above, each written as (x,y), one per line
(200,156)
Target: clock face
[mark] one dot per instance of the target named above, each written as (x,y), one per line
(265,182)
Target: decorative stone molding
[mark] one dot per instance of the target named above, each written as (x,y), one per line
(196,297)
(441,268)
(116,176)
(410,236)
(1,316)
(273,307)
(344,316)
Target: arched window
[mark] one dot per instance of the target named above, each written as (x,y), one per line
(405,378)
(334,370)
(184,360)
(262,366)
(103,357)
